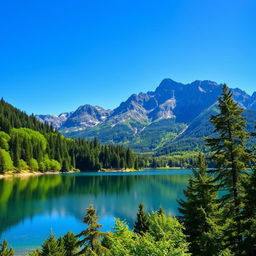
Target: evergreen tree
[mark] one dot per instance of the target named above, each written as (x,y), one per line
(15,150)
(34,253)
(200,213)
(161,211)
(5,125)
(70,244)
(141,225)
(90,243)
(249,215)
(5,250)
(52,247)
(231,161)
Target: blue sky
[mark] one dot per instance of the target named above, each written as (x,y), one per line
(57,55)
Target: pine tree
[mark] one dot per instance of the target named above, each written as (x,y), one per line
(5,125)
(141,225)
(90,243)
(249,215)
(161,211)
(70,244)
(231,161)
(15,150)
(200,213)
(52,247)
(34,253)
(5,250)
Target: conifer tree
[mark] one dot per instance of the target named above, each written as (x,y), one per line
(231,161)
(141,225)
(90,243)
(5,125)
(249,215)
(34,253)
(200,213)
(52,247)
(161,211)
(5,250)
(15,151)
(70,244)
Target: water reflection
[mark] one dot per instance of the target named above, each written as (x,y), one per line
(69,195)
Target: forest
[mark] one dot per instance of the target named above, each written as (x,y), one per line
(27,144)
(217,216)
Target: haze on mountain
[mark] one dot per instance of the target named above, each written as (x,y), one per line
(174,117)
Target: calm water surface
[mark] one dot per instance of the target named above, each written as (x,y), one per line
(32,207)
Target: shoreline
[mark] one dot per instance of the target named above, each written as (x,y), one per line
(27,173)
(118,170)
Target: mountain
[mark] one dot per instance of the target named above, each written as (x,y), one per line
(85,116)
(55,121)
(28,144)
(252,102)
(152,121)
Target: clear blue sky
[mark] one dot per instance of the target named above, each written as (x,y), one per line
(57,55)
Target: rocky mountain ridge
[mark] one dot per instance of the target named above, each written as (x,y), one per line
(136,118)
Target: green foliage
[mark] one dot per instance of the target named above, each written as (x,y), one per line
(123,242)
(5,161)
(27,139)
(4,140)
(140,136)
(201,214)
(5,250)
(165,237)
(70,244)
(42,166)
(141,225)
(34,253)
(49,165)
(178,159)
(92,235)
(249,215)
(11,117)
(155,135)
(52,247)
(167,229)
(23,165)
(33,165)
(231,157)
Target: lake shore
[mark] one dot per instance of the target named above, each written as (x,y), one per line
(29,173)
(25,173)
(118,170)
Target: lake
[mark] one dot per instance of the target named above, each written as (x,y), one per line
(33,206)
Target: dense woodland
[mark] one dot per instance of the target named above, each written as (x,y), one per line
(27,144)
(217,218)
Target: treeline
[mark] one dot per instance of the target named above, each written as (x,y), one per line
(177,159)
(27,144)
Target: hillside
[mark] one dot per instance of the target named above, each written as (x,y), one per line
(28,144)
(174,117)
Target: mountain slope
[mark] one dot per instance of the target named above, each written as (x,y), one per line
(140,121)
(199,128)
(55,121)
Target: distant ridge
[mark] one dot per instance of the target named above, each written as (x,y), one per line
(147,121)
